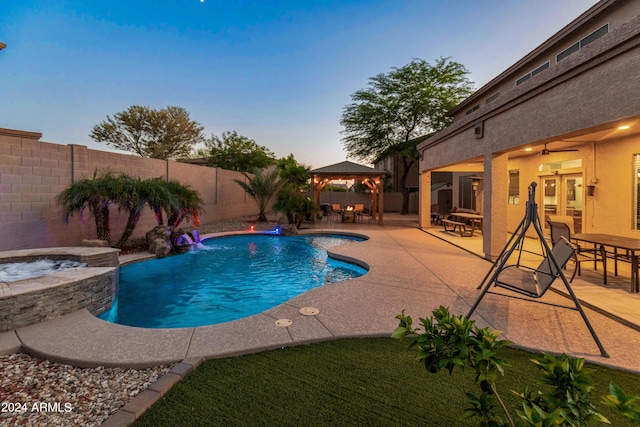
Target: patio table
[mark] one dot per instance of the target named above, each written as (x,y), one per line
(475,219)
(632,246)
(348,215)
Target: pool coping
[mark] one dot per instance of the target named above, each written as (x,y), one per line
(409,269)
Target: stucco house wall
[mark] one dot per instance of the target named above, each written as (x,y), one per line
(578,102)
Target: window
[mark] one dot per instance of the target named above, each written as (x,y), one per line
(514,187)
(636,191)
(566,164)
(492,97)
(595,35)
(465,193)
(540,69)
(568,51)
(472,109)
(523,79)
(533,73)
(582,43)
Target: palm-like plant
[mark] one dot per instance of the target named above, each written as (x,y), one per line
(134,194)
(94,195)
(183,203)
(261,188)
(130,195)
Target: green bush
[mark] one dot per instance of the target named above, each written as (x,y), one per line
(449,341)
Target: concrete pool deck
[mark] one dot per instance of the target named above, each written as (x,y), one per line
(409,269)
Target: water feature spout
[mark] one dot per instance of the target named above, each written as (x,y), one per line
(185,239)
(193,242)
(196,236)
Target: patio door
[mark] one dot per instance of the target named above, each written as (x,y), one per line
(562,195)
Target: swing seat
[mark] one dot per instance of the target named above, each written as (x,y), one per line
(535,282)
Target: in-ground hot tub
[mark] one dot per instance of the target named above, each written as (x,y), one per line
(29,301)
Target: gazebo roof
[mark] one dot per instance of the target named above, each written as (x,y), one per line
(346,170)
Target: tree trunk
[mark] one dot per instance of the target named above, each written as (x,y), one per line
(403,184)
(101,216)
(132,221)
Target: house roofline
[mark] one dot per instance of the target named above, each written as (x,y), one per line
(592,12)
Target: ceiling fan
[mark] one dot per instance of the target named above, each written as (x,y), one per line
(545,151)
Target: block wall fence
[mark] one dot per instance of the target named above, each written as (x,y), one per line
(33,172)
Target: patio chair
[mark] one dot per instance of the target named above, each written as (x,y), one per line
(335,212)
(365,213)
(357,209)
(560,228)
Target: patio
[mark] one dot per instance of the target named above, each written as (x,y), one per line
(613,299)
(409,269)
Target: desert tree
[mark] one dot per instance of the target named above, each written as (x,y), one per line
(399,109)
(167,133)
(236,152)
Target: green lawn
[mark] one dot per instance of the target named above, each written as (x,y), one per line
(372,382)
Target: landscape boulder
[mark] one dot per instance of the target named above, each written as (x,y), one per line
(159,240)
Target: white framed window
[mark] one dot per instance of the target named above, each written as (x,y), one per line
(514,187)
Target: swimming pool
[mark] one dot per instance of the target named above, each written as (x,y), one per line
(229,278)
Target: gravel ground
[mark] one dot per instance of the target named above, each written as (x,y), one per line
(37,392)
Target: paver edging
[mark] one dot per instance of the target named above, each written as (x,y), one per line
(130,412)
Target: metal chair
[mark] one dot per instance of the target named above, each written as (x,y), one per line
(561,230)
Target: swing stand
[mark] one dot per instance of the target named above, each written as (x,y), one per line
(532,282)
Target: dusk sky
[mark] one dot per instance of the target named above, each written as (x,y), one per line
(278,72)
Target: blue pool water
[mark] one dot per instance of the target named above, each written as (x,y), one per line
(229,278)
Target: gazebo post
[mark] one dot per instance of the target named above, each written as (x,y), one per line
(316,190)
(374,200)
(380,184)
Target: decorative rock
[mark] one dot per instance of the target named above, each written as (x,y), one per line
(288,229)
(77,396)
(159,240)
(160,247)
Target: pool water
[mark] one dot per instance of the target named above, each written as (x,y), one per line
(228,279)
(13,272)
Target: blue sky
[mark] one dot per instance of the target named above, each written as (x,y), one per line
(279,72)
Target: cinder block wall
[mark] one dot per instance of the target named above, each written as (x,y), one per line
(33,172)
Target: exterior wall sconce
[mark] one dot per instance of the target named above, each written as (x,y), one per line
(478,130)
(475,182)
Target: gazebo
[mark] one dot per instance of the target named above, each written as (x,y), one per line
(370,177)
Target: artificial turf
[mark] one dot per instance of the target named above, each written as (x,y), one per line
(352,382)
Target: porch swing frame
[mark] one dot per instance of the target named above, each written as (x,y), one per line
(553,268)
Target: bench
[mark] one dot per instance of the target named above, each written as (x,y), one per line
(461,226)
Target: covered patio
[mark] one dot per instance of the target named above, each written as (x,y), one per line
(372,178)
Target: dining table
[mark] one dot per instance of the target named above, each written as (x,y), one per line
(628,244)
